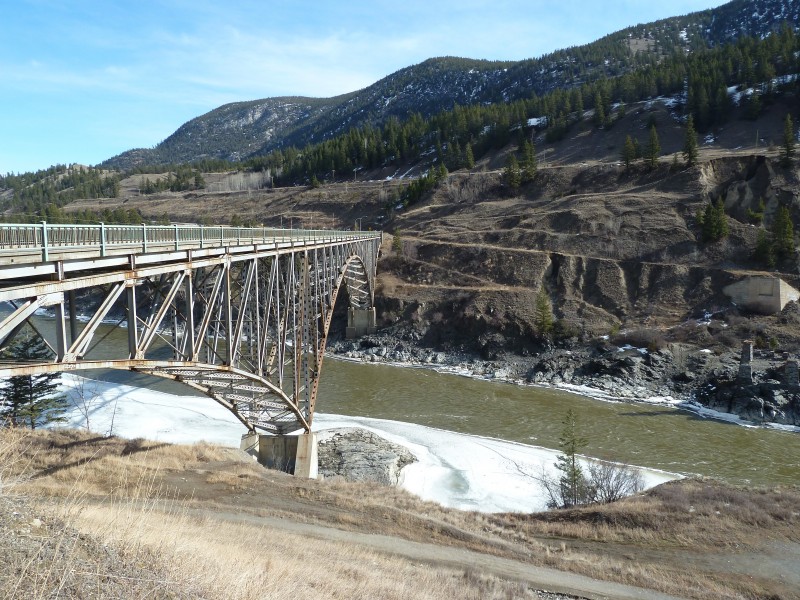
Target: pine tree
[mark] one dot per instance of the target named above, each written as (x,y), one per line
(764,252)
(714,222)
(528,161)
(30,400)
(653,149)
(469,158)
(628,152)
(572,482)
(543,313)
(783,233)
(512,174)
(599,113)
(789,141)
(690,145)
(397,244)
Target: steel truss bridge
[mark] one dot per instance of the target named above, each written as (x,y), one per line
(240,314)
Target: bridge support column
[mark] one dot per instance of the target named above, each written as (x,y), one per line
(249,443)
(360,321)
(294,454)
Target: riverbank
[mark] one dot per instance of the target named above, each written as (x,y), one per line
(679,375)
(456,470)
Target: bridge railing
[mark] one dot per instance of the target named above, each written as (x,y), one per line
(46,237)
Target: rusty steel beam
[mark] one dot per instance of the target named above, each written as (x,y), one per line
(247,325)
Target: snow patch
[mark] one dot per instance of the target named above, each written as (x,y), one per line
(456,470)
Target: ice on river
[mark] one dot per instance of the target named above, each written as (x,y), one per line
(454,469)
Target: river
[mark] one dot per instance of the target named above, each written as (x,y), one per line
(659,437)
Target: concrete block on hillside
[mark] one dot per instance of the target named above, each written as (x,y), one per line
(360,321)
(294,454)
(766,295)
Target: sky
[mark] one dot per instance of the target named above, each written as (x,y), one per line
(83,80)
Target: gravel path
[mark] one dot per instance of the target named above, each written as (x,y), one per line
(553,584)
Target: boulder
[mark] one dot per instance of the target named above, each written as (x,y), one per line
(360,455)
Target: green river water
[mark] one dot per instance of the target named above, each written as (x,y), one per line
(653,436)
(659,437)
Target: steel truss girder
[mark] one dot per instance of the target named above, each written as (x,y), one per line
(249,330)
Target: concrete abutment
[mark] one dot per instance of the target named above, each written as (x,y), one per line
(294,454)
(360,321)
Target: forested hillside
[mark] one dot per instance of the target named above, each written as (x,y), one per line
(245,129)
(733,81)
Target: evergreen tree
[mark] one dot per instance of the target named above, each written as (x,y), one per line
(637,149)
(628,152)
(783,233)
(690,145)
(714,222)
(543,313)
(789,141)
(512,174)
(528,161)
(397,244)
(30,400)
(653,149)
(764,252)
(573,484)
(752,106)
(469,158)
(599,113)
(756,217)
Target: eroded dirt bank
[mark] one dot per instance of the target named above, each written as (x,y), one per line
(636,296)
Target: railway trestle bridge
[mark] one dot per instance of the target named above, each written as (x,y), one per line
(239,314)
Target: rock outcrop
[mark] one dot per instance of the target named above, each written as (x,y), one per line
(360,455)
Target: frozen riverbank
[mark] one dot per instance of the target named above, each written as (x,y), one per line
(456,470)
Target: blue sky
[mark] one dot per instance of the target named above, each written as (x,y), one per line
(84,80)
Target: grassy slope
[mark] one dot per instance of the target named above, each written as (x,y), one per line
(210,519)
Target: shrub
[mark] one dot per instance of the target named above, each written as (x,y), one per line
(651,339)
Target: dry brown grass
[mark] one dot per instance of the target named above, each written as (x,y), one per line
(697,514)
(228,560)
(197,507)
(108,496)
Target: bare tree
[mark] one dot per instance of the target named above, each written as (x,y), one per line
(609,481)
(85,397)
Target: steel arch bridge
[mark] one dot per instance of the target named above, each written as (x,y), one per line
(239,314)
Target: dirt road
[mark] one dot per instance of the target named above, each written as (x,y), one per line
(552,580)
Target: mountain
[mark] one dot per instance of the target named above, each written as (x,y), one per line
(243,129)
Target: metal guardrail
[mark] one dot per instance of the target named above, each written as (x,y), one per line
(46,237)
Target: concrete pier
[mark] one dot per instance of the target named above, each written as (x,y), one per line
(294,454)
(745,375)
(791,373)
(360,321)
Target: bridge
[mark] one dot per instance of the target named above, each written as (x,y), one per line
(239,314)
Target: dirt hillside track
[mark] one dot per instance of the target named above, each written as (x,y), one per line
(613,247)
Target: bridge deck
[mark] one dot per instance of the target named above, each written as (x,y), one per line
(44,250)
(240,314)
